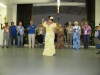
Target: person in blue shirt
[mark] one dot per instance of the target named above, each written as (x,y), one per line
(97,35)
(13,33)
(20,33)
(31,34)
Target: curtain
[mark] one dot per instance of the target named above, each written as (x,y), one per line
(24,14)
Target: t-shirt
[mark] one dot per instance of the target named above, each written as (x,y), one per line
(20,30)
(31,29)
(70,29)
(87,30)
(6,29)
(13,30)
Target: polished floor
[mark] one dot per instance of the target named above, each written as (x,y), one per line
(25,61)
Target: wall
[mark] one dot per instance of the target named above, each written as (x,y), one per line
(63,18)
(11,12)
(97,12)
(3,13)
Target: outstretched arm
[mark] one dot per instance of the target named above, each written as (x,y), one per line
(2,27)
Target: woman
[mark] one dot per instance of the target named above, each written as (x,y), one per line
(49,49)
(56,34)
(13,34)
(76,36)
(60,37)
(65,33)
(97,35)
(69,34)
(87,34)
(5,34)
(40,29)
(20,33)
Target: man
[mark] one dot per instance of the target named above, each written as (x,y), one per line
(31,34)
(20,33)
(13,33)
(5,34)
(97,35)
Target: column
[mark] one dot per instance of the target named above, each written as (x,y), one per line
(11,12)
(97,12)
(90,9)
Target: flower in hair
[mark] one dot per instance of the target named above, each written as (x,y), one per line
(51,17)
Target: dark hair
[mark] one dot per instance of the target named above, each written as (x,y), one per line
(49,18)
(12,23)
(6,23)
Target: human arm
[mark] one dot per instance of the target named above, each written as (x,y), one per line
(90,30)
(80,30)
(28,28)
(42,20)
(17,28)
(54,27)
(37,27)
(2,27)
(96,33)
(67,28)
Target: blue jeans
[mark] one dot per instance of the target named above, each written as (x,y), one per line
(20,40)
(86,41)
(13,37)
(98,46)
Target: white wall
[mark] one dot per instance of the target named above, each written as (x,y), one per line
(63,18)
(14,14)
(97,12)
(11,12)
(3,13)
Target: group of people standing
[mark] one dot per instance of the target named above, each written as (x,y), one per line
(52,32)
(12,34)
(72,35)
(54,36)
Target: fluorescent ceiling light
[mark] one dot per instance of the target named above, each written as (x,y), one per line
(58,2)
(3,5)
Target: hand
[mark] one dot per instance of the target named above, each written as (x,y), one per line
(35,35)
(28,28)
(43,20)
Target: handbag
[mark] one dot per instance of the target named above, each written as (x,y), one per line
(19,34)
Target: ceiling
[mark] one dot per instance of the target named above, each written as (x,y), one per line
(63,9)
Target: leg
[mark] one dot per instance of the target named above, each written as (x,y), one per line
(4,37)
(7,39)
(68,38)
(29,39)
(37,38)
(18,40)
(21,39)
(88,39)
(71,36)
(41,37)
(98,47)
(12,40)
(85,41)
(33,40)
